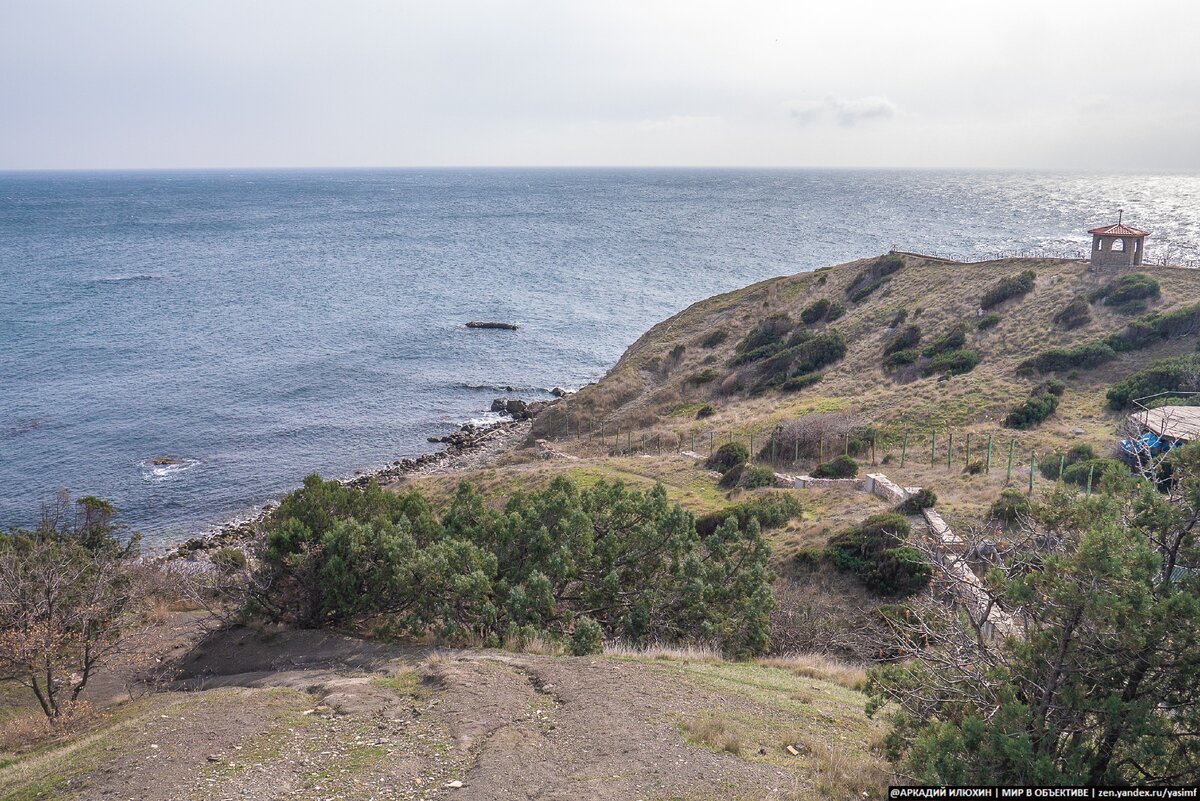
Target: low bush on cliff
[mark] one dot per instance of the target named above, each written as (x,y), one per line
(874,551)
(1143,332)
(727,456)
(1013,286)
(815,312)
(840,467)
(769,510)
(630,560)
(1129,293)
(953,362)
(1075,314)
(906,338)
(1042,403)
(872,277)
(1165,375)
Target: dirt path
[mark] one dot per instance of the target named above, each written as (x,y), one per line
(315,715)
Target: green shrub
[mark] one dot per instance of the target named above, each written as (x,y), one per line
(727,456)
(337,555)
(906,338)
(872,277)
(1075,314)
(1128,292)
(1089,354)
(1012,505)
(799,382)
(1077,473)
(1042,403)
(769,510)
(798,337)
(707,410)
(808,557)
(901,358)
(923,498)
(954,362)
(975,467)
(756,477)
(587,638)
(1165,375)
(715,338)
(1050,466)
(1013,286)
(836,311)
(840,467)
(987,321)
(1054,386)
(703,377)
(677,351)
(810,356)
(874,551)
(953,339)
(764,340)
(815,311)
(228,560)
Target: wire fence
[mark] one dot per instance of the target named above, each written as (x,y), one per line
(1171,256)
(998,453)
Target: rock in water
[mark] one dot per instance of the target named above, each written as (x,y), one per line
(488,324)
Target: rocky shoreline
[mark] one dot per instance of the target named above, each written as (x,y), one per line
(467,448)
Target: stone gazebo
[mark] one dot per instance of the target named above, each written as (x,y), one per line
(1118,245)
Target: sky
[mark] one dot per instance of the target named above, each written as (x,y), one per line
(113,84)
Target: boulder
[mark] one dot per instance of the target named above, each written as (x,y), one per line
(518,408)
(498,404)
(559,392)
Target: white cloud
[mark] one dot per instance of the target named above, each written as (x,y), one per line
(846,113)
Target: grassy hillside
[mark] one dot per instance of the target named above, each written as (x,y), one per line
(656,379)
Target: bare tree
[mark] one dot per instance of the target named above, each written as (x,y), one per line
(68,596)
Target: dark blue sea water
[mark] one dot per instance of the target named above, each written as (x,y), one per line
(263,325)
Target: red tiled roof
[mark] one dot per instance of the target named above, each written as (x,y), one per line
(1118,229)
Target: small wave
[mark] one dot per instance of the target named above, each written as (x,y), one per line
(165,468)
(486,419)
(20,426)
(124,279)
(509,388)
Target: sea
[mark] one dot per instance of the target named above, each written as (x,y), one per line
(190,345)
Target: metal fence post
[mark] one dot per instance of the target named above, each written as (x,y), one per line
(1091,470)
(1012,447)
(904,448)
(987,467)
(950,450)
(1032,467)
(933,449)
(968,460)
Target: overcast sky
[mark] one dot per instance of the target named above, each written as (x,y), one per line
(1092,84)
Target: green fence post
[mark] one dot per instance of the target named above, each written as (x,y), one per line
(1012,447)
(950,450)
(968,461)
(643,443)
(987,467)
(1091,470)
(710,443)
(1032,465)
(904,448)
(846,442)
(872,450)
(772,450)
(821,451)
(796,455)
(1062,465)
(752,446)
(933,449)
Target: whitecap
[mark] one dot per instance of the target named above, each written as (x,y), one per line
(165,468)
